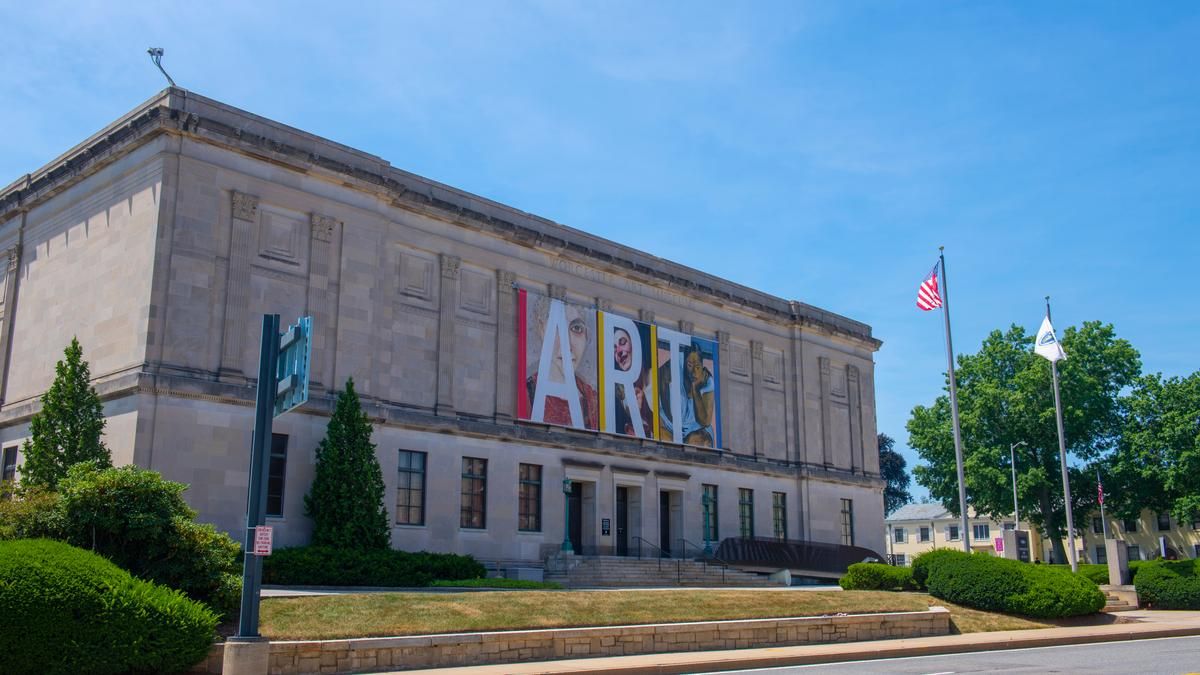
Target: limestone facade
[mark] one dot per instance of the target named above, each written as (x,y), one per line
(161,240)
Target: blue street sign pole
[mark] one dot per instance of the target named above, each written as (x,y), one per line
(256,502)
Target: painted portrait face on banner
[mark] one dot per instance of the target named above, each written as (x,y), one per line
(556,362)
(627,376)
(689,400)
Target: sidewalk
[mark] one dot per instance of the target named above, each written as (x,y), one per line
(1149,624)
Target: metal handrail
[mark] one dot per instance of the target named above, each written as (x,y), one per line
(661,554)
(706,558)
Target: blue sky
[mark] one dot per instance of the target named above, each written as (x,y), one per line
(817,151)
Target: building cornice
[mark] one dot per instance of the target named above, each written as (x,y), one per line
(178,112)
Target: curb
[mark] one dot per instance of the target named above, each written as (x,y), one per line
(678,663)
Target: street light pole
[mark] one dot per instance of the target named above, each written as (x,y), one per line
(1012,453)
(566,545)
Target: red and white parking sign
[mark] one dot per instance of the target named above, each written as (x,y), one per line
(262,540)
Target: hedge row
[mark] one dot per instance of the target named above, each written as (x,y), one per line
(996,584)
(323,566)
(877,577)
(72,611)
(1163,584)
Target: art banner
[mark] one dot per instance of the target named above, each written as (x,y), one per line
(689,398)
(628,378)
(585,369)
(556,362)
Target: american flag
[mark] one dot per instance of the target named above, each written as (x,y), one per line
(927,295)
(1099,490)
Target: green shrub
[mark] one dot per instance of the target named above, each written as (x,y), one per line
(877,577)
(995,584)
(323,566)
(139,521)
(922,561)
(72,611)
(1098,574)
(31,514)
(1169,584)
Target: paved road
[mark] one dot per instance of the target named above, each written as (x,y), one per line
(1163,655)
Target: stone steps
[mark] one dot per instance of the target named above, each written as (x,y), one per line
(611,571)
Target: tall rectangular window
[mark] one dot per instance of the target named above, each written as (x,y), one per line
(276,474)
(10,464)
(9,472)
(473,513)
(952,533)
(709,502)
(1129,524)
(779,514)
(899,535)
(1101,554)
(529,508)
(1135,552)
(924,534)
(848,522)
(746,512)
(980,531)
(1164,522)
(1097,525)
(410,488)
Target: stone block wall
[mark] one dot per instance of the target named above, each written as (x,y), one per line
(474,649)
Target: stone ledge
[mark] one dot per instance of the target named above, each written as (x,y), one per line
(474,649)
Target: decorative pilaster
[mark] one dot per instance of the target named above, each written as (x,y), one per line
(756,387)
(11,261)
(237,289)
(506,346)
(245,207)
(446,305)
(724,376)
(646,316)
(557,291)
(826,393)
(604,305)
(687,327)
(321,298)
(857,458)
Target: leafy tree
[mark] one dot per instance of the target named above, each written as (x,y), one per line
(891,469)
(67,429)
(346,501)
(1005,396)
(1157,462)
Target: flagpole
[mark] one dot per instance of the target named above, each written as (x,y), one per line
(1062,457)
(958,454)
(1100,491)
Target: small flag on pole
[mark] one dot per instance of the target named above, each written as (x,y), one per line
(1099,489)
(927,295)
(1047,345)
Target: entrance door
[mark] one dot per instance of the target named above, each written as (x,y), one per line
(575,527)
(664,522)
(622,521)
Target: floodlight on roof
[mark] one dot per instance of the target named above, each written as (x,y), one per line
(156,54)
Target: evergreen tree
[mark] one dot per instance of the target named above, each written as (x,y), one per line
(346,500)
(67,429)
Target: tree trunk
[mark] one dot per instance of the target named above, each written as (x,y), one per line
(1050,522)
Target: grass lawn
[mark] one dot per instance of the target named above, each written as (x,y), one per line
(388,614)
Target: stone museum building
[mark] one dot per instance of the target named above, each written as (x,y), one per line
(511,366)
